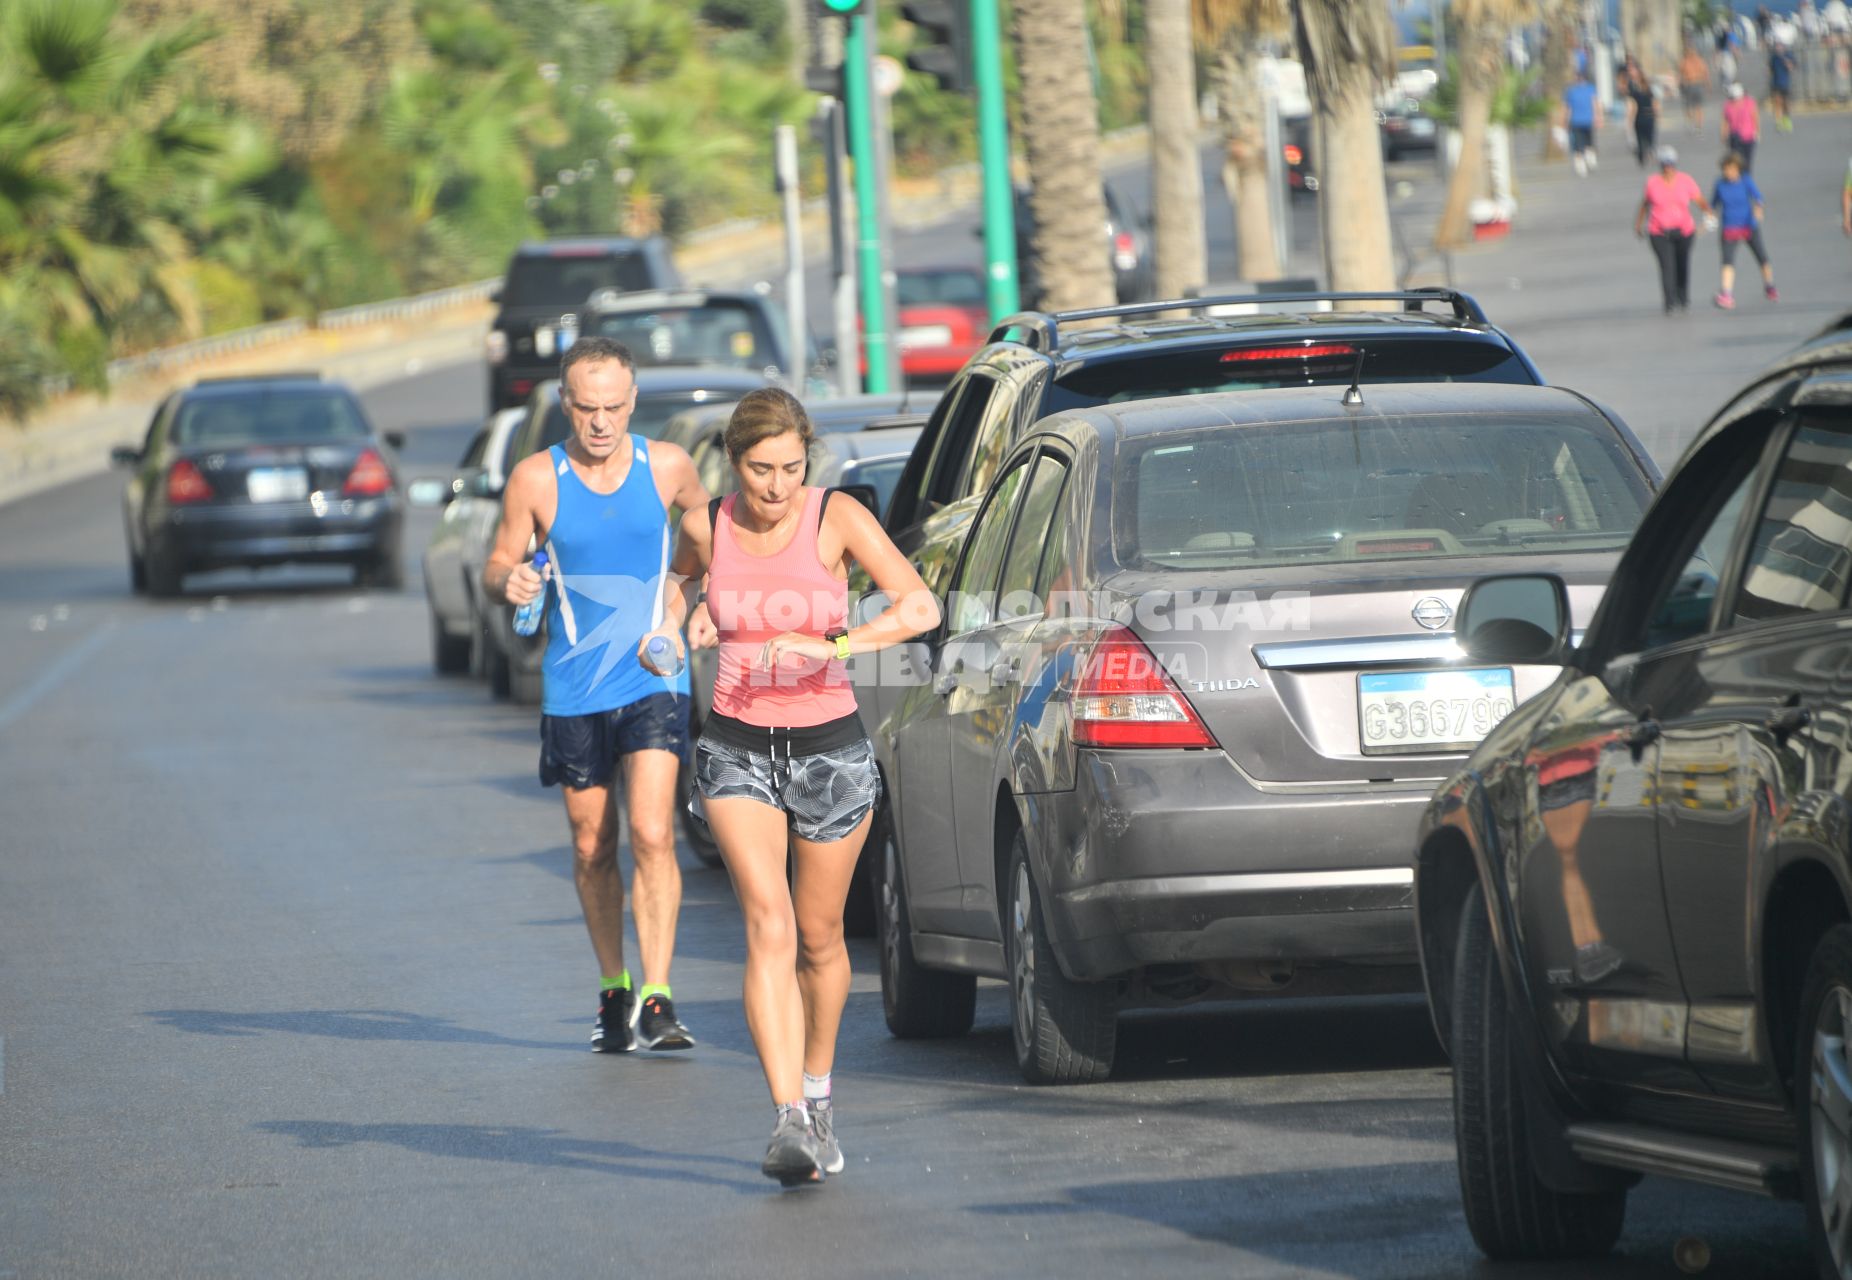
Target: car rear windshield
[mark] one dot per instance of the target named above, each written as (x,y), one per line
(939,289)
(275,417)
(650,416)
(736,335)
(1397,489)
(566,279)
(1249,366)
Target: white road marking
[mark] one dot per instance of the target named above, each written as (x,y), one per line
(52,676)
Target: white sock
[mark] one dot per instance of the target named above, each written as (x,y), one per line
(816,1089)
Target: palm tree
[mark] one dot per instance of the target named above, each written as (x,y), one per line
(1348,48)
(1238,30)
(1061,141)
(1484,27)
(1559,40)
(1176,169)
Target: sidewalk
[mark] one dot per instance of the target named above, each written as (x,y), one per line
(1581,294)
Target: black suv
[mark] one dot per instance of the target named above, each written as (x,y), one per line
(551,279)
(1634,900)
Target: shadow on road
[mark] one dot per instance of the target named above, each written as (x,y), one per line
(539,1148)
(345,1024)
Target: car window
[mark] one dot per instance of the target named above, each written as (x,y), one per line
(1403,488)
(985,455)
(472,456)
(292,417)
(1800,556)
(1682,605)
(882,473)
(973,591)
(710,461)
(956,441)
(1015,595)
(567,279)
(734,334)
(939,289)
(154,427)
(508,454)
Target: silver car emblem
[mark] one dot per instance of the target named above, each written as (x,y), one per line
(1432,612)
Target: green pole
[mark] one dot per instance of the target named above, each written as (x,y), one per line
(993,140)
(859,99)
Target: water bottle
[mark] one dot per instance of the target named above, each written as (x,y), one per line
(663,656)
(527,617)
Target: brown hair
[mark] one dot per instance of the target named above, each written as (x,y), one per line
(586,350)
(760,415)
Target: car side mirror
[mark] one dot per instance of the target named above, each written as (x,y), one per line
(866,494)
(1519,618)
(432,492)
(125,455)
(395,440)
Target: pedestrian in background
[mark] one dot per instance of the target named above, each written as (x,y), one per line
(1742,125)
(1664,216)
(1692,73)
(1642,112)
(1738,202)
(1780,81)
(1584,116)
(784,767)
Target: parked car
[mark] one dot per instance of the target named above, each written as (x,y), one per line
(1193,688)
(261,470)
(944,319)
(1127,242)
(550,279)
(1633,898)
(1405,128)
(458,549)
(730,328)
(514,661)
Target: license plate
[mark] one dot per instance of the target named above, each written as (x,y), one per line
(914,336)
(276,484)
(1421,126)
(1420,711)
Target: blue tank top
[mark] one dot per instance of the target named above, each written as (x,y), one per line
(610,557)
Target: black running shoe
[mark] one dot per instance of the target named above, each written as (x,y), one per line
(658,1028)
(792,1157)
(615,1031)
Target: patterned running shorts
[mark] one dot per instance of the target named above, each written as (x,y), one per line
(827,794)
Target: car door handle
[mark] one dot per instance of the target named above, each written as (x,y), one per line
(1002,671)
(1644,733)
(1787,722)
(947,680)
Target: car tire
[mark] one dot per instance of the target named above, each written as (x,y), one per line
(1509,1210)
(1823,1074)
(524,687)
(500,673)
(1064,1032)
(138,574)
(382,572)
(694,831)
(164,572)
(449,654)
(919,1003)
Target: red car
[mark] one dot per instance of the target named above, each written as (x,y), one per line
(944,319)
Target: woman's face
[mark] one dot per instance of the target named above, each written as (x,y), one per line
(771,474)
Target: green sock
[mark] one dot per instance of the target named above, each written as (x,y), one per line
(620,983)
(655,989)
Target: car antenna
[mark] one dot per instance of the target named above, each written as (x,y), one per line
(1353,394)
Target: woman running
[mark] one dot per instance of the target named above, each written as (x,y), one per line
(783,762)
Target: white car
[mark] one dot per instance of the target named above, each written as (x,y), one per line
(459,546)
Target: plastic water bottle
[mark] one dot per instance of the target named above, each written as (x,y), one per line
(527,617)
(663,655)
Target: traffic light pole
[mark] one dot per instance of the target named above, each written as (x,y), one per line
(858,94)
(993,140)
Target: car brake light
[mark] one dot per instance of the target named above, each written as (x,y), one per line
(1308,352)
(369,478)
(1293,154)
(186,484)
(1124,251)
(1125,698)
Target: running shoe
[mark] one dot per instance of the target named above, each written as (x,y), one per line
(657,1027)
(792,1156)
(615,1031)
(1772,293)
(823,1124)
(1724,300)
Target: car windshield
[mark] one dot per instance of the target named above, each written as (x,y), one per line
(648,419)
(882,473)
(1396,489)
(939,289)
(568,279)
(1251,366)
(276,417)
(734,334)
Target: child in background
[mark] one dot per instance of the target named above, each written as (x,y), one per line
(1738,202)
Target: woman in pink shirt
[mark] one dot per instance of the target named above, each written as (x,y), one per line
(1664,215)
(1742,125)
(783,764)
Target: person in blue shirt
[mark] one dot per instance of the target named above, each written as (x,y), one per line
(1738,202)
(1579,97)
(1780,80)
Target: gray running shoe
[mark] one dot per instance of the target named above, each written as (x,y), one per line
(792,1156)
(823,1124)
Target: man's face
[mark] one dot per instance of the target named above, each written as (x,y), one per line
(598,397)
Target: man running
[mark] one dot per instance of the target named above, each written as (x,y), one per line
(1579,97)
(1780,82)
(599,506)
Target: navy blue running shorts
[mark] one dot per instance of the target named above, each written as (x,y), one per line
(583,751)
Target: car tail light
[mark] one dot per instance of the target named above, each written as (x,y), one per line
(1125,698)
(185,483)
(1315,351)
(1124,251)
(369,478)
(1293,154)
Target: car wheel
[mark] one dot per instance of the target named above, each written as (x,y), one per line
(163,572)
(381,573)
(1064,1032)
(138,574)
(449,654)
(524,686)
(1823,1097)
(919,1003)
(694,831)
(500,674)
(1510,1212)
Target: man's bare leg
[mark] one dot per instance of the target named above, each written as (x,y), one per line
(595,873)
(656,886)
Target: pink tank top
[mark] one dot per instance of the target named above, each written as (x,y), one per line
(753,598)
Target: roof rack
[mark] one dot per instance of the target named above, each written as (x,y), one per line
(269,375)
(1041,329)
